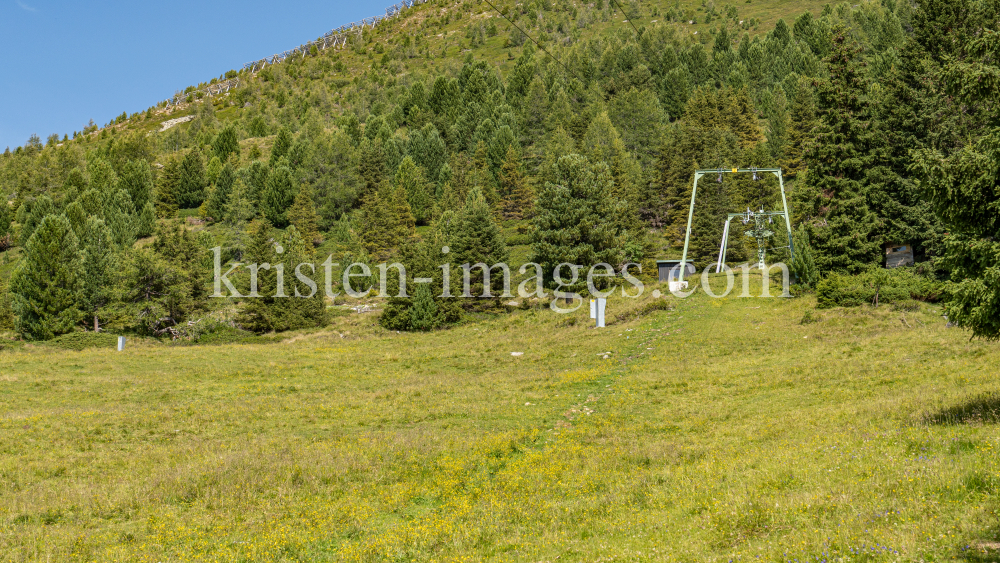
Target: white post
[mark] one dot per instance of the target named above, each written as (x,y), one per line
(121,343)
(601,305)
(593,309)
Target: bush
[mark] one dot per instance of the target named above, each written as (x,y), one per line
(519,240)
(83,340)
(888,286)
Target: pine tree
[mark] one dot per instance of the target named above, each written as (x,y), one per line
(518,197)
(226,143)
(103,177)
(47,285)
(146,224)
(191,183)
(98,255)
(302,215)
(386,220)
(271,310)
(571,218)
(279,192)
(213,169)
(282,143)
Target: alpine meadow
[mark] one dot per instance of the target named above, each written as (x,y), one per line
(550,280)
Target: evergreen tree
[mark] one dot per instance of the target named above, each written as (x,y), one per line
(279,192)
(255,178)
(386,220)
(215,205)
(962,181)
(31,215)
(477,239)
(212,170)
(837,165)
(371,165)
(801,122)
(166,189)
(121,219)
(803,264)
(47,286)
(287,307)
(282,143)
(410,178)
(98,254)
(239,211)
(190,190)
(226,143)
(136,179)
(146,223)
(518,197)
(423,313)
(571,219)
(103,177)
(74,185)
(302,215)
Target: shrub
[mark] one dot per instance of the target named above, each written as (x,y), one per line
(876,287)
(83,340)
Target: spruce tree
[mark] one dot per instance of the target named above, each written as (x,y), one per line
(136,179)
(371,165)
(837,165)
(165,198)
(98,253)
(103,177)
(282,143)
(255,178)
(191,181)
(517,195)
(423,313)
(302,215)
(31,215)
(47,285)
(146,223)
(478,239)
(961,181)
(121,219)
(279,192)
(803,264)
(410,178)
(226,143)
(215,205)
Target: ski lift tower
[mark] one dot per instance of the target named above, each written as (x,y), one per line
(759,231)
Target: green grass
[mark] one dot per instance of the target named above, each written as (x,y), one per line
(719,430)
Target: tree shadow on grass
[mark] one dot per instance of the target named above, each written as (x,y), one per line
(984,409)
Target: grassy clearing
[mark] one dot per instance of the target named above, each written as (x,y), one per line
(719,430)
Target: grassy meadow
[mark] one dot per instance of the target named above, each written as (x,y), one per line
(718,430)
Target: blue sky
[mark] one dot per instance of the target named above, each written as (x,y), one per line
(65,62)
